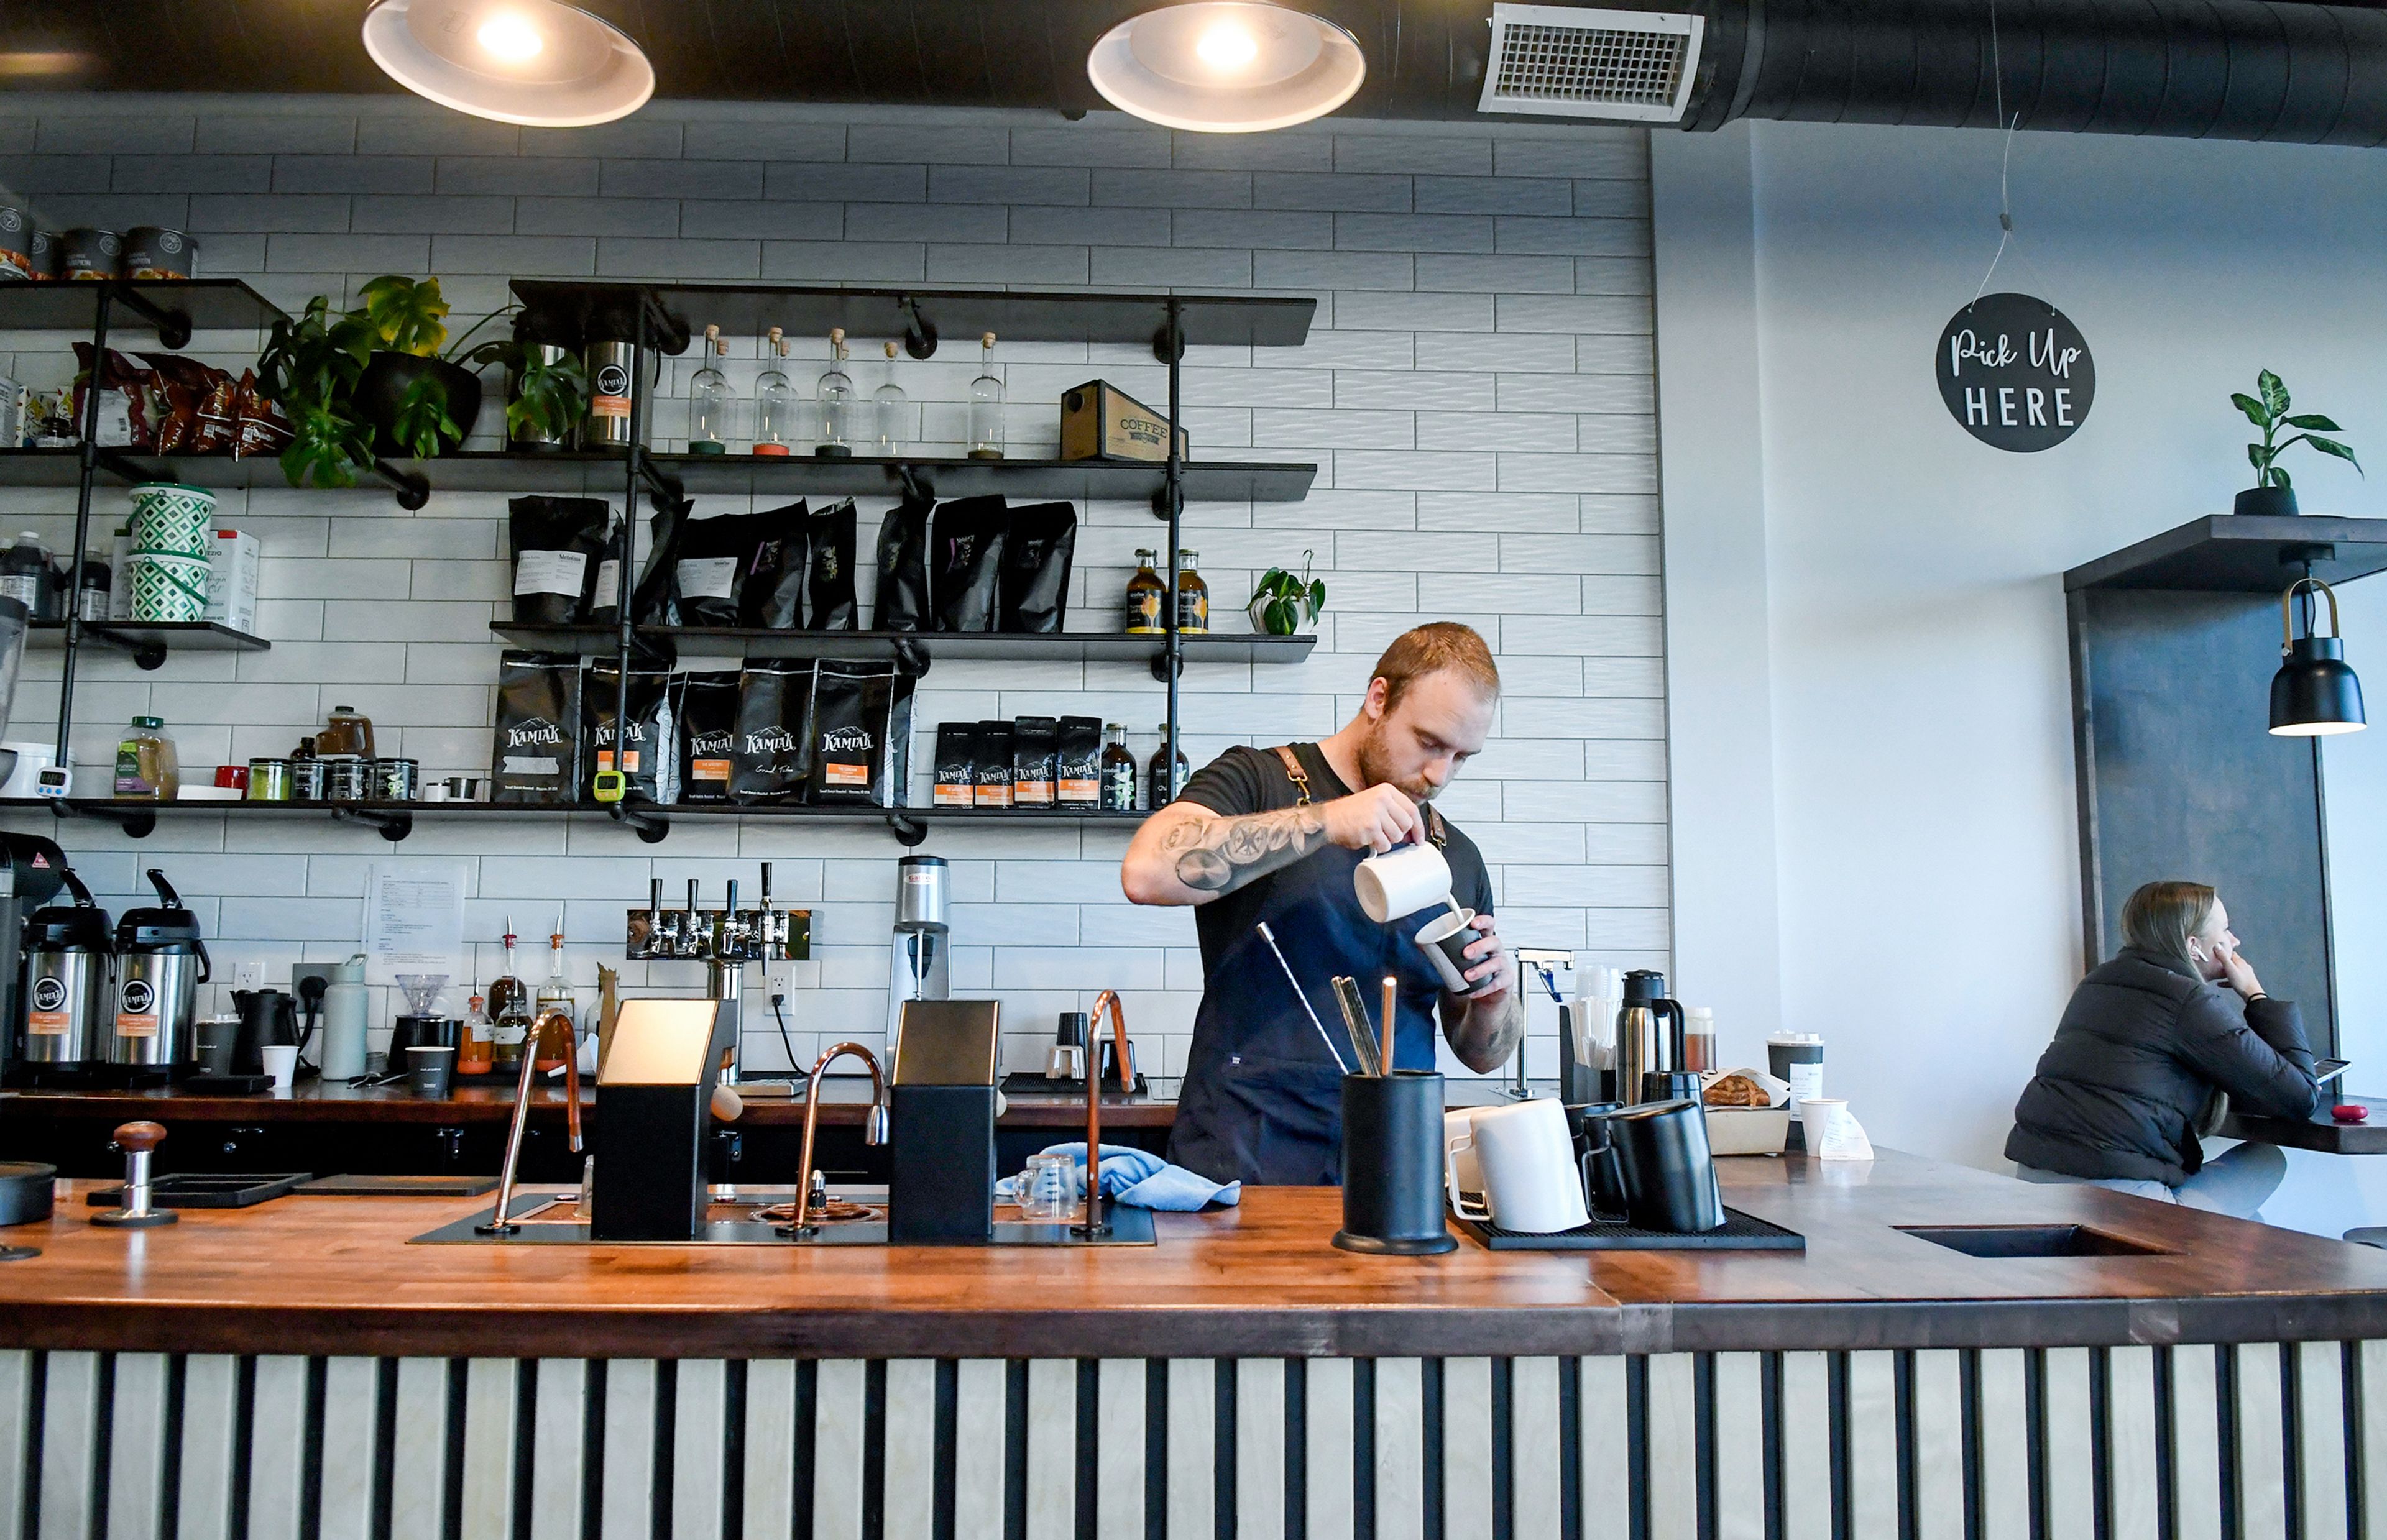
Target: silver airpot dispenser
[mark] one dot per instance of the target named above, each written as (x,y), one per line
(920,966)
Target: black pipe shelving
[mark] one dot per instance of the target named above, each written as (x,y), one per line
(150,641)
(915,648)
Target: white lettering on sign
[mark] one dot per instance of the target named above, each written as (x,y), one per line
(2014,371)
(2005,405)
(2056,358)
(1977,405)
(1964,345)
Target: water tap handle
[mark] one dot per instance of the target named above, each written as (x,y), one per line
(730,906)
(767,885)
(691,900)
(655,896)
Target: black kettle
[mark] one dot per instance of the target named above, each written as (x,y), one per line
(269,1018)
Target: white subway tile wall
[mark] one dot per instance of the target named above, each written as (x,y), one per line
(1476,392)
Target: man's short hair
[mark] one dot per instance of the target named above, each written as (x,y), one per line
(1429,649)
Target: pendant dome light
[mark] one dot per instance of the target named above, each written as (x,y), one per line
(1226,67)
(518,61)
(2313,694)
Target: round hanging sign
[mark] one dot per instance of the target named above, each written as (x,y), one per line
(2015,373)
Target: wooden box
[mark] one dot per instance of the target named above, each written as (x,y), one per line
(1099,421)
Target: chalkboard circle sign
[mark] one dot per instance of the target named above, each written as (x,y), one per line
(2015,373)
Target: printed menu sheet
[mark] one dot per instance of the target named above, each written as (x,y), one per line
(414,920)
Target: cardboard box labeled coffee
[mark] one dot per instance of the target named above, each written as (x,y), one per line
(1099,421)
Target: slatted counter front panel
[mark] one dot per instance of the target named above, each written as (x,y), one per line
(2072,1443)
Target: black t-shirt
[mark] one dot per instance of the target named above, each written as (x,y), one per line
(1245,780)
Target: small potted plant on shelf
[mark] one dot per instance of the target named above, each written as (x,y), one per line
(419,399)
(2268,409)
(1283,605)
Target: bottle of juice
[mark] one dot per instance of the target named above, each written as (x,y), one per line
(476,1050)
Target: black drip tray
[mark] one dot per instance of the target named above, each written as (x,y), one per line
(1996,1241)
(209,1190)
(1739,1231)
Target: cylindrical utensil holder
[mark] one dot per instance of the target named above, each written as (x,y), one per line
(1670,1182)
(1392,1165)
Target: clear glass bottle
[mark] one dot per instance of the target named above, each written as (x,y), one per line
(834,441)
(1192,595)
(554,1039)
(891,411)
(475,1048)
(778,404)
(711,404)
(1160,786)
(1145,593)
(986,406)
(509,1013)
(146,768)
(1117,770)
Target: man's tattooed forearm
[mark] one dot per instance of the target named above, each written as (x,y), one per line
(1223,854)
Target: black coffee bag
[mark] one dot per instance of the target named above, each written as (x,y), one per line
(904,568)
(773,595)
(535,757)
(655,601)
(1078,780)
(770,760)
(956,765)
(965,562)
(647,744)
(992,753)
(1035,748)
(706,714)
(861,732)
(1037,552)
(711,564)
(556,543)
(831,605)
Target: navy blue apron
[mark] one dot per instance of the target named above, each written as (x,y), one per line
(1261,1100)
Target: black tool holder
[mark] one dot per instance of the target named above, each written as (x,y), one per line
(940,1170)
(650,1145)
(1392,1165)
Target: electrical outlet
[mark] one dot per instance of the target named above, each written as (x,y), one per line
(778,978)
(249,975)
(301,972)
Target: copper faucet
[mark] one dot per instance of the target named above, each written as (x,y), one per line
(874,1128)
(500,1224)
(1095,1225)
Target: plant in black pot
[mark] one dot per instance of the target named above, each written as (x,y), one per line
(419,399)
(2268,409)
(309,369)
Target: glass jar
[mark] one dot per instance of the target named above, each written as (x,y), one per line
(890,413)
(778,404)
(1192,595)
(476,1050)
(146,768)
(711,404)
(1145,595)
(346,732)
(835,440)
(986,405)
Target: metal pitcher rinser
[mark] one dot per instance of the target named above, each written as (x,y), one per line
(920,966)
(1648,1037)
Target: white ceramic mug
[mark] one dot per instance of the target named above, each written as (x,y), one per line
(1461,1171)
(1532,1184)
(1402,881)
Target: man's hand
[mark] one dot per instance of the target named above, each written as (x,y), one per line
(1376,819)
(1487,973)
(1484,1025)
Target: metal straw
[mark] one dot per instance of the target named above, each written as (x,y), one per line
(1392,1001)
(1269,936)
(1355,1021)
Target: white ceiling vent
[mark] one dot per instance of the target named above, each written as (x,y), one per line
(1563,62)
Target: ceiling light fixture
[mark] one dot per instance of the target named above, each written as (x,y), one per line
(1226,67)
(534,62)
(2313,694)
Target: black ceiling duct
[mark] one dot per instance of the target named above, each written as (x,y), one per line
(2268,70)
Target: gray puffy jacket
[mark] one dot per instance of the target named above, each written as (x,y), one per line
(2141,1050)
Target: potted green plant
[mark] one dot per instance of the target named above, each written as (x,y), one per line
(547,391)
(419,399)
(309,369)
(2268,409)
(1283,605)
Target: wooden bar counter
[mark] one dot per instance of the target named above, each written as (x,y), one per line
(315,1377)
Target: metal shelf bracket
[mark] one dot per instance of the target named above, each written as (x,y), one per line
(393,824)
(907,833)
(652,827)
(137,823)
(919,331)
(413,491)
(173,327)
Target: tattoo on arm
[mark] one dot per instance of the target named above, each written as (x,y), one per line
(1219,855)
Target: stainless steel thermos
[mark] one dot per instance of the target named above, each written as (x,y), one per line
(69,978)
(160,963)
(1649,1048)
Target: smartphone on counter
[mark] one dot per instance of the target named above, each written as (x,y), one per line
(2326,1070)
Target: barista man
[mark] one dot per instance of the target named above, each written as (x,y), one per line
(1275,835)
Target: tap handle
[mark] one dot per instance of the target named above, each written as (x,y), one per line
(730,906)
(691,901)
(656,895)
(767,885)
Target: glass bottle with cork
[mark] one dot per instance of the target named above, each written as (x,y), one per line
(986,405)
(509,1013)
(1192,596)
(834,441)
(475,1048)
(891,413)
(554,1039)
(711,402)
(1161,786)
(778,406)
(1117,770)
(1145,593)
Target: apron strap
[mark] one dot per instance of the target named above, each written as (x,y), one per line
(1434,829)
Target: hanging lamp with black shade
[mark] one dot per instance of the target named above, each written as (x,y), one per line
(2315,694)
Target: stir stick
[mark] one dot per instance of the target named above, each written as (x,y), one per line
(1391,997)
(1269,936)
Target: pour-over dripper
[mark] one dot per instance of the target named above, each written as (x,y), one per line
(422,991)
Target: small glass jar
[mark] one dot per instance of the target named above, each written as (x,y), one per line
(146,768)
(269,780)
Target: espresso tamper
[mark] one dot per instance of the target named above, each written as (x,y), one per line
(136,1139)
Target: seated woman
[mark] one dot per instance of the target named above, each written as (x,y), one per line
(2147,1042)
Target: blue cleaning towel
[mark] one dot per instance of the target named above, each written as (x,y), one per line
(1143,1180)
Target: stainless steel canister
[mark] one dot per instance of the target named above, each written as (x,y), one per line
(611,367)
(396,780)
(307,781)
(347,778)
(269,780)
(67,1000)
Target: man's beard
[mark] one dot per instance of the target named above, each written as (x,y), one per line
(1375,768)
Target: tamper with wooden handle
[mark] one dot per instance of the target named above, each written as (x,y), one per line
(136,1139)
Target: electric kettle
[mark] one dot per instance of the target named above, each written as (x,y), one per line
(69,970)
(269,1018)
(160,963)
(1649,1050)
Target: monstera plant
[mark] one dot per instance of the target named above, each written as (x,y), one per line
(2268,409)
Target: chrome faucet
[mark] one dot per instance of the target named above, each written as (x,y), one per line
(1095,1225)
(500,1224)
(874,1128)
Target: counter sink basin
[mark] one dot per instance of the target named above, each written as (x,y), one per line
(2001,1241)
